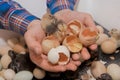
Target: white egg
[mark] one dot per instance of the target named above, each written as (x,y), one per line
(23,75)
(114,71)
(59,55)
(9,74)
(39,73)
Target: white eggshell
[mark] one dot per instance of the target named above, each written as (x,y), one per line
(114,71)
(23,75)
(63,49)
(1,78)
(53,56)
(5,60)
(102,37)
(9,74)
(39,73)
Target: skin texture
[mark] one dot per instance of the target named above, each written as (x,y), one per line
(35,34)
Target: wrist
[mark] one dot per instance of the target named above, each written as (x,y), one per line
(34,23)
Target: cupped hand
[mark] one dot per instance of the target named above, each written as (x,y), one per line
(33,38)
(86,19)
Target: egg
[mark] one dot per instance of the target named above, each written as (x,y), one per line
(9,74)
(73,43)
(97,68)
(102,37)
(2,72)
(108,46)
(39,73)
(23,75)
(5,60)
(48,43)
(114,71)
(59,55)
(88,36)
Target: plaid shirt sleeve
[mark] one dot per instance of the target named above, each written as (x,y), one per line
(57,5)
(14,17)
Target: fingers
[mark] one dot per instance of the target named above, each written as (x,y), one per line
(93,47)
(85,54)
(33,45)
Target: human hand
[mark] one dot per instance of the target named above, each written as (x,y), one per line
(86,19)
(33,38)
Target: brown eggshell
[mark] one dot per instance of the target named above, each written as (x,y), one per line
(48,43)
(74,27)
(88,36)
(73,43)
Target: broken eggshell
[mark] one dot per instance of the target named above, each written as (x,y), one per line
(48,43)
(88,36)
(74,27)
(72,43)
(59,55)
(100,29)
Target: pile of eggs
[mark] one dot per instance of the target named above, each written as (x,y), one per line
(15,63)
(63,39)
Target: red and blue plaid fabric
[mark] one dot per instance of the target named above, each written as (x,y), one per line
(14,17)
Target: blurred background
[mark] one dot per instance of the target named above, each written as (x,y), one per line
(104,12)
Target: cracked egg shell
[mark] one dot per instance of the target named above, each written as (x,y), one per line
(88,36)
(48,43)
(74,27)
(59,55)
(73,43)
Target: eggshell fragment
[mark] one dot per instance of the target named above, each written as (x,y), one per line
(39,73)
(88,36)
(97,68)
(109,46)
(23,75)
(48,43)
(74,27)
(73,43)
(114,71)
(9,74)
(59,55)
